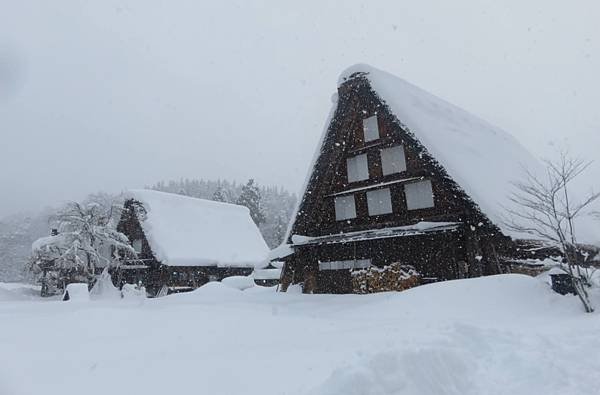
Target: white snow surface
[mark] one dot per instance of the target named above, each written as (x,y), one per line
(185,231)
(506,334)
(18,292)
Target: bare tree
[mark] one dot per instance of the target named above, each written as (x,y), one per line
(547,211)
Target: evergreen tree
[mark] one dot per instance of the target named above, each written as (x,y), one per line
(250,197)
(219,196)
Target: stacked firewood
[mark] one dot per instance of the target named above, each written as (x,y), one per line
(394,277)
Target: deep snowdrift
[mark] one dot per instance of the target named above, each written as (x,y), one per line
(506,334)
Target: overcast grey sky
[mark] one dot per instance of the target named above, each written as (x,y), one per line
(105,95)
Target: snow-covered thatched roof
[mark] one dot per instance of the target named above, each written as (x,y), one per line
(481,158)
(185,231)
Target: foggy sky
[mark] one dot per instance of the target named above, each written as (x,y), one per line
(116,94)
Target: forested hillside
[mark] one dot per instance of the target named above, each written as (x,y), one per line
(17,232)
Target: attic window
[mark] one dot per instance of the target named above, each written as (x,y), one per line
(358,168)
(137,245)
(371,128)
(345,207)
(419,195)
(350,264)
(393,160)
(379,201)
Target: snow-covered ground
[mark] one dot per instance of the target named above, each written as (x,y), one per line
(507,334)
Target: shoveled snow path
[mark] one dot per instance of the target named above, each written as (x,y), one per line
(498,335)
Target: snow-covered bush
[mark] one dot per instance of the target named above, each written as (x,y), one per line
(84,241)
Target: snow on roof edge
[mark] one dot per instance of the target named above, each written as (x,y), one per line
(136,193)
(318,152)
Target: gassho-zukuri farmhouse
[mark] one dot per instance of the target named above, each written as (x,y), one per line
(406,183)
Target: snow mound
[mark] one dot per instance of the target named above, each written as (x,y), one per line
(185,231)
(133,292)
(215,288)
(239,282)
(104,288)
(76,292)
(482,342)
(511,295)
(259,289)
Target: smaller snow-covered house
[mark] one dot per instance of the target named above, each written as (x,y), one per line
(401,177)
(184,242)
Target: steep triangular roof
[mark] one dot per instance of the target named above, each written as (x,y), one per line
(185,231)
(481,158)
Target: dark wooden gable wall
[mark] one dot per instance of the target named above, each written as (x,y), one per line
(130,226)
(344,139)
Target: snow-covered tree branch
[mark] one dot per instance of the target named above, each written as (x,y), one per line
(85,239)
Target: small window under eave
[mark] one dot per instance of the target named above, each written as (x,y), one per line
(419,195)
(393,160)
(137,245)
(371,128)
(358,168)
(345,207)
(379,202)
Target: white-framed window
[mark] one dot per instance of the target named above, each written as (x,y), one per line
(371,128)
(419,195)
(393,160)
(137,245)
(358,168)
(345,207)
(379,201)
(350,264)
